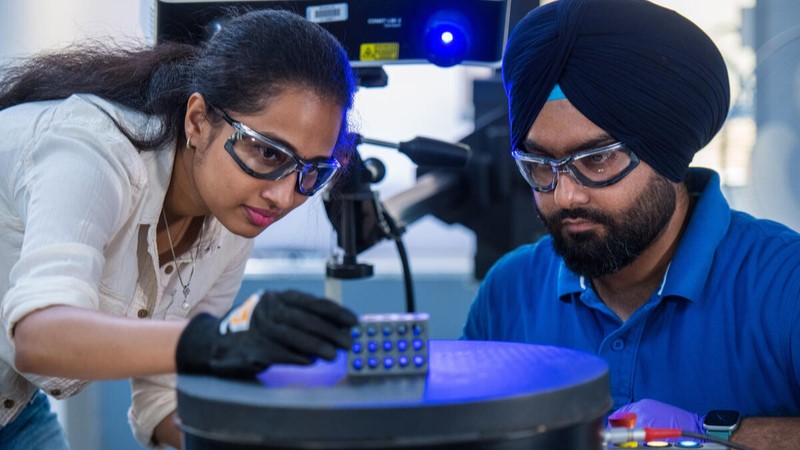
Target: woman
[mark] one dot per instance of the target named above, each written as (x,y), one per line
(132,184)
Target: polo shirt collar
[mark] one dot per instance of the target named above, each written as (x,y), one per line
(569,282)
(691,264)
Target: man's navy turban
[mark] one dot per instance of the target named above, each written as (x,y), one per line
(644,74)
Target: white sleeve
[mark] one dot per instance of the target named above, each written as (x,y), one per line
(72,192)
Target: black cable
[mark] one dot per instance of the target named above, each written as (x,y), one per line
(396,235)
(706,437)
(401,249)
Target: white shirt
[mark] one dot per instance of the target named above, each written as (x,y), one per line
(79,206)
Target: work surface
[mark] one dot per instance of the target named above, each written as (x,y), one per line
(473,391)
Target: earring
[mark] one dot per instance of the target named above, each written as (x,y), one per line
(189,144)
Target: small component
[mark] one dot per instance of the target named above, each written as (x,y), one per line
(389,344)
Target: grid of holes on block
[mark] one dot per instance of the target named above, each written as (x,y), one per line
(388,344)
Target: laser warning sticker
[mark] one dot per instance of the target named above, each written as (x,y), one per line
(380,51)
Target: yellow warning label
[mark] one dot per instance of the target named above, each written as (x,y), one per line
(380,51)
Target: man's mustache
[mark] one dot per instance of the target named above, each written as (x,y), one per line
(580,213)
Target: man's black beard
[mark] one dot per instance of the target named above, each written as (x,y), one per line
(626,236)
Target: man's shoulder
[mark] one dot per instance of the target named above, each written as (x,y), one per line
(748,231)
(716,228)
(764,249)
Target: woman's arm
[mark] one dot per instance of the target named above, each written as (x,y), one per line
(71,342)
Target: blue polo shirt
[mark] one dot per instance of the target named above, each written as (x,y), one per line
(721,332)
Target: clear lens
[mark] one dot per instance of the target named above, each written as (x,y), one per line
(315,179)
(602,166)
(537,175)
(261,157)
(594,168)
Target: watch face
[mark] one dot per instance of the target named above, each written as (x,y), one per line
(721,418)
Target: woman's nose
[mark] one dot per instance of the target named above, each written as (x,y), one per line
(281,193)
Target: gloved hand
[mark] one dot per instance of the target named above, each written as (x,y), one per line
(268,328)
(654,414)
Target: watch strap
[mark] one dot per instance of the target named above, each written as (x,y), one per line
(722,434)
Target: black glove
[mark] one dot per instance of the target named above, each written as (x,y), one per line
(287,327)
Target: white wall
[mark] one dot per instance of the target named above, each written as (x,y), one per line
(30,26)
(419,101)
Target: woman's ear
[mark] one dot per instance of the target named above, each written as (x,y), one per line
(196,124)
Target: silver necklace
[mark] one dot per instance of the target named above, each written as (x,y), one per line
(185,286)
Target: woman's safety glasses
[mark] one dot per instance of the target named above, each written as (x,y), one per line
(266,159)
(597,167)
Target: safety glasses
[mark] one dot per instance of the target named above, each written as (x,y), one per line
(266,159)
(597,167)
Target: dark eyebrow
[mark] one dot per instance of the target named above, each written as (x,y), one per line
(280,141)
(531,146)
(267,135)
(292,148)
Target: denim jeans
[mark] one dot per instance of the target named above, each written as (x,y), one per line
(36,427)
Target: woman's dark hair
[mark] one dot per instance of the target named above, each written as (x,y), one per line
(255,56)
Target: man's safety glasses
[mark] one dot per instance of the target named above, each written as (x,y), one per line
(597,167)
(267,159)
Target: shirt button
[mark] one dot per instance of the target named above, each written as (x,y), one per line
(168,270)
(142,313)
(618,345)
(8,403)
(55,392)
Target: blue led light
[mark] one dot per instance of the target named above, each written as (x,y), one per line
(372,346)
(417,330)
(355,332)
(401,329)
(357,347)
(387,330)
(447,37)
(372,363)
(402,361)
(419,360)
(688,444)
(358,364)
(387,346)
(388,363)
(371,331)
(402,345)
(417,344)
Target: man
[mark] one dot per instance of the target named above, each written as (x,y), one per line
(695,307)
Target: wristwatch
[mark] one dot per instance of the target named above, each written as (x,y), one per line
(720,423)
